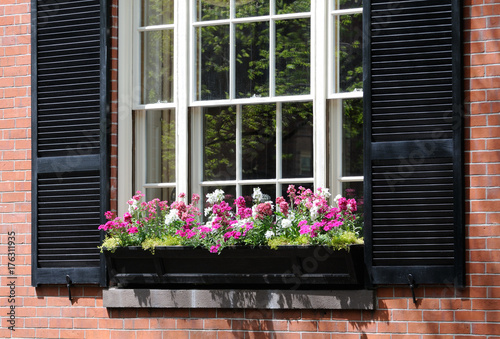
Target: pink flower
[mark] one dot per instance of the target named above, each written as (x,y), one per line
(108,215)
(132,230)
(351,205)
(342,202)
(264,209)
(214,249)
(127,217)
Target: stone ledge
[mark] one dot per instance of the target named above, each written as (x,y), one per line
(251,299)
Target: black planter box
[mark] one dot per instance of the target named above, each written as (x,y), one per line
(290,267)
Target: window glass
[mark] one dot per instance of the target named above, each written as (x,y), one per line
(213,63)
(268,193)
(160,146)
(248,8)
(297,136)
(293,40)
(352,137)
(348,54)
(229,196)
(292,6)
(348,4)
(157,12)
(212,9)
(252,59)
(157,66)
(219,143)
(259,142)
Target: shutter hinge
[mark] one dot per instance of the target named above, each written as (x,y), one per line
(411,282)
(69,283)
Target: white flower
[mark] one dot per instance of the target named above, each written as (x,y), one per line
(216,197)
(314,211)
(172,216)
(269,234)
(207,211)
(337,198)
(132,205)
(257,195)
(286,223)
(325,193)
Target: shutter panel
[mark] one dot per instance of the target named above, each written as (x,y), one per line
(70,163)
(413,145)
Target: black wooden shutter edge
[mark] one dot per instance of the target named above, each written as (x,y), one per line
(101,161)
(421,274)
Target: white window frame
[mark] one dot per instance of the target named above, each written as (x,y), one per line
(321,94)
(335,98)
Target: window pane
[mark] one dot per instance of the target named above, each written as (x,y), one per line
(352,137)
(164,194)
(160,146)
(230,193)
(157,66)
(157,12)
(252,59)
(213,64)
(246,8)
(268,193)
(259,142)
(292,6)
(354,190)
(219,143)
(297,152)
(349,56)
(347,4)
(211,9)
(284,188)
(293,40)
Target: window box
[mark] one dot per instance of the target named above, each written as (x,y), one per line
(290,267)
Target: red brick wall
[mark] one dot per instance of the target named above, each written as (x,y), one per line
(443,312)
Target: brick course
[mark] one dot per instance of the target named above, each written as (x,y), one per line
(441,312)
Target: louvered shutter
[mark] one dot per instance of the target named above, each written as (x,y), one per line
(413,146)
(70,140)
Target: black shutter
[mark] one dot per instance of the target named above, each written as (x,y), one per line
(413,145)
(70,163)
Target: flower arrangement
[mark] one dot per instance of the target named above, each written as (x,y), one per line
(305,218)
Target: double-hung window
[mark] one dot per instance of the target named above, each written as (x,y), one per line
(239,94)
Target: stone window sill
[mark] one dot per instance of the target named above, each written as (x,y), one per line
(250,299)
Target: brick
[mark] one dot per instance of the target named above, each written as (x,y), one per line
(456,328)
(361,326)
(190,323)
(486,304)
(307,326)
(470,316)
(489,328)
(485,206)
(136,324)
(221,324)
(231,335)
(437,316)
(332,326)
(275,325)
(493,95)
(392,327)
(315,335)
(123,335)
(98,334)
(163,323)
(484,83)
(493,316)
